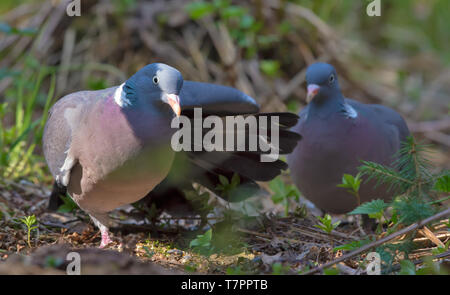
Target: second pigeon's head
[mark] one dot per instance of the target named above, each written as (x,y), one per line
(157,85)
(322,82)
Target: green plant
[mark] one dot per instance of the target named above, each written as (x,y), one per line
(237,270)
(244,29)
(374,209)
(413,185)
(352,184)
(410,174)
(332,271)
(410,180)
(282,193)
(19,139)
(148,253)
(227,187)
(29,221)
(352,245)
(325,224)
(199,202)
(432,267)
(270,67)
(279,269)
(440,249)
(407,267)
(68,206)
(202,243)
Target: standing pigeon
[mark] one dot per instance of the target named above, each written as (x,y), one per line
(112,147)
(337,133)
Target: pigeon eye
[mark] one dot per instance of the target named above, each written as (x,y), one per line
(155,80)
(331,79)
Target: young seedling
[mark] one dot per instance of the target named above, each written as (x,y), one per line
(227,187)
(29,221)
(326,224)
(352,184)
(282,193)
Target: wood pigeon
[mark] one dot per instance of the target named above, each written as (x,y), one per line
(337,133)
(112,147)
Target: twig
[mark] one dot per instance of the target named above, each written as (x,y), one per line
(381,241)
(439,137)
(420,261)
(429,126)
(271,237)
(315,235)
(429,234)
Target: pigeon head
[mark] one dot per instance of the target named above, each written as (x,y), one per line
(156,85)
(322,82)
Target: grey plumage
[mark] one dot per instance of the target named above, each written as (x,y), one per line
(112,147)
(102,150)
(337,133)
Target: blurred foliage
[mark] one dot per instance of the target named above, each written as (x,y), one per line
(413,26)
(22,133)
(68,205)
(7,29)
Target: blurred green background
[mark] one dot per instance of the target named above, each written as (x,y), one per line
(400,59)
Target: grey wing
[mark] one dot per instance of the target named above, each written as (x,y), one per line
(385,115)
(215,99)
(391,117)
(63,120)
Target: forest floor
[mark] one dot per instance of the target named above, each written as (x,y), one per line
(268,244)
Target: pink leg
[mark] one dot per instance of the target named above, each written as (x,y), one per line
(103,228)
(105,238)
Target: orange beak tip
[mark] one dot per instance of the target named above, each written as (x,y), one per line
(174,102)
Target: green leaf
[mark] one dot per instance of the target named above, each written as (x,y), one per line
(198,10)
(407,268)
(68,206)
(223,180)
(350,182)
(443,184)
(372,207)
(270,67)
(326,223)
(235,180)
(202,243)
(412,209)
(277,186)
(233,11)
(352,245)
(331,271)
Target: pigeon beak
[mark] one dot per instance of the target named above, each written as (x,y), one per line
(174,101)
(313,89)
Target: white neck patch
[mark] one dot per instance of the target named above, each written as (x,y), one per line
(120,97)
(350,111)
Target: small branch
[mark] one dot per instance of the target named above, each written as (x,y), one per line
(406,230)
(271,237)
(429,126)
(430,235)
(397,267)
(439,201)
